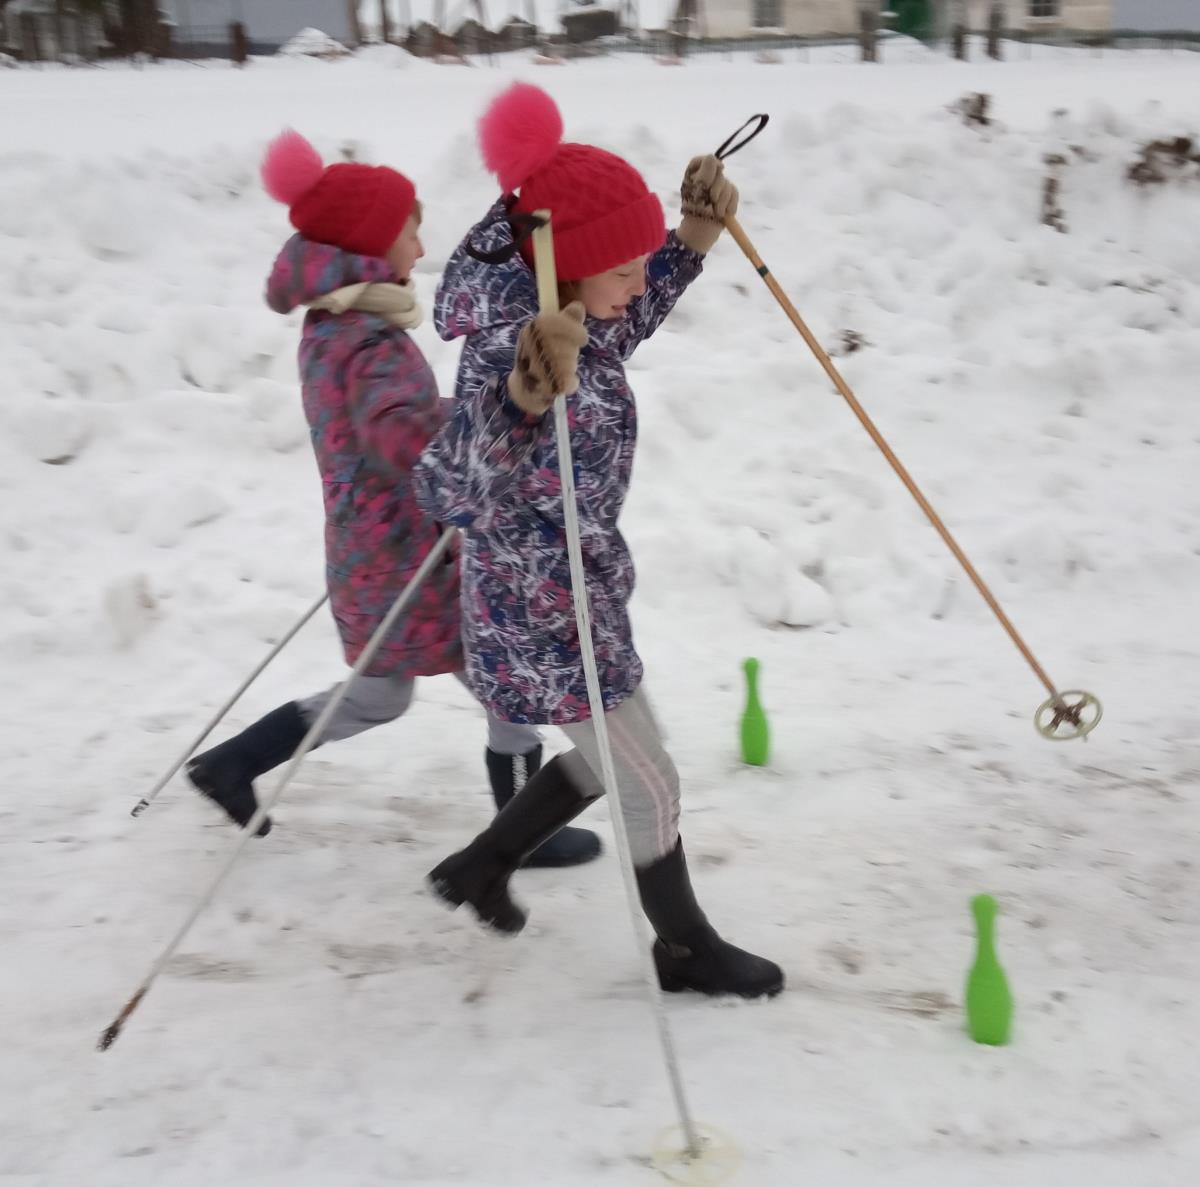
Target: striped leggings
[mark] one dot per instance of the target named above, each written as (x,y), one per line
(376,700)
(646,775)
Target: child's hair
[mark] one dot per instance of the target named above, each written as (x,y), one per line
(568,291)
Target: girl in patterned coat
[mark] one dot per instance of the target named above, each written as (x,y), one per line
(494,471)
(372,406)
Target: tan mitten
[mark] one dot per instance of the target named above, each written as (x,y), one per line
(708,198)
(547,357)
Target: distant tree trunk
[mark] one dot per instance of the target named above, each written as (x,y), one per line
(487,33)
(140,27)
(681,26)
(868,30)
(81,28)
(31,43)
(352,23)
(162,34)
(59,17)
(89,25)
(995,29)
(385,23)
(136,33)
(958,31)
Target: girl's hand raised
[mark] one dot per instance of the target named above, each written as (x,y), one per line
(708,198)
(547,358)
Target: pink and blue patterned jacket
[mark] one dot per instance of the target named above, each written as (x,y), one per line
(494,472)
(372,407)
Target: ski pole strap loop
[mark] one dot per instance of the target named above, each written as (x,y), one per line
(523,226)
(730,147)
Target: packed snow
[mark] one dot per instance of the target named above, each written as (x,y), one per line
(312,43)
(327,1022)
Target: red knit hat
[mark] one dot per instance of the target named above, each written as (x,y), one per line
(359,208)
(603,212)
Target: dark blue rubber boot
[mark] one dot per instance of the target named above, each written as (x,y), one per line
(508,773)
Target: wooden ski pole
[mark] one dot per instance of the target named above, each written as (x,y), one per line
(1084,714)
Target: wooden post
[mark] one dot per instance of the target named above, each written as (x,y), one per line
(995,29)
(352,23)
(31,43)
(59,18)
(239,44)
(958,32)
(868,30)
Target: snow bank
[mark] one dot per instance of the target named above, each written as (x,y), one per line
(312,43)
(161,525)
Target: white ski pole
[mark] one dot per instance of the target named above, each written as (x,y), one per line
(152,794)
(547,282)
(314,732)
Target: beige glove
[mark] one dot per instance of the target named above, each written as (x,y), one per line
(708,197)
(547,356)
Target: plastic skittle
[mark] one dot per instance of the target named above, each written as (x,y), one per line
(756,735)
(989,999)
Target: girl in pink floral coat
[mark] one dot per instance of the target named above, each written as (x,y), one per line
(372,406)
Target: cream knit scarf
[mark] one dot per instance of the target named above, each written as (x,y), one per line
(396,303)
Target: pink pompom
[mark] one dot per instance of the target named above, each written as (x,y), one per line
(519,134)
(291,168)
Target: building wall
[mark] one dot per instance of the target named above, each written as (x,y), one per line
(270,22)
(1182,15)
(1087,15)
(811,18)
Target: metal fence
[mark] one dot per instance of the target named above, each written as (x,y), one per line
(664,41)
(1187,40)
(213,41)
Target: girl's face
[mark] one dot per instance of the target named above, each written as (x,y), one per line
(407,250)
(607,294)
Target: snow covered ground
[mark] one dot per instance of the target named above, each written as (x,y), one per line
(326,1022)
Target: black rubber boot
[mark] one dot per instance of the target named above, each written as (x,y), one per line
(226,773)
(478,875)
(688,954)
(508,773)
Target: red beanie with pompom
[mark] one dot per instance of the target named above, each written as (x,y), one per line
(359,208)
(603,213)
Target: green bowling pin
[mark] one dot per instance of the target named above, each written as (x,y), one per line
(756,736)
(989,999)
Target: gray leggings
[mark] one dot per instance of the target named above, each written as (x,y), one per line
(376,700)
(646,775)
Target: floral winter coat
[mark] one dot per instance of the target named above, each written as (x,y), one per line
(372,407)
(494,472)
